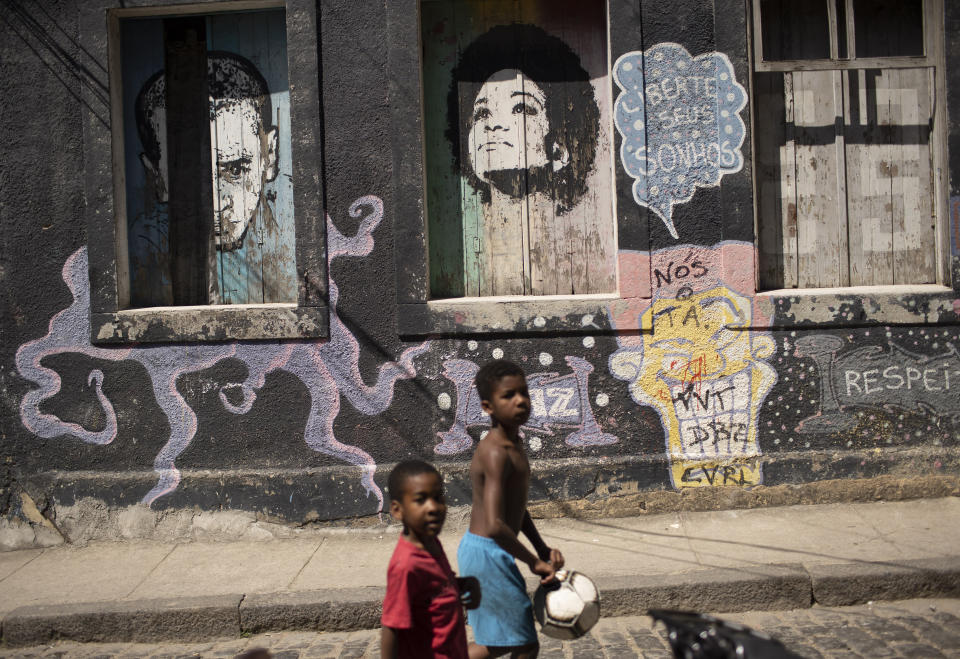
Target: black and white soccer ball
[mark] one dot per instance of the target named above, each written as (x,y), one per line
(569,607)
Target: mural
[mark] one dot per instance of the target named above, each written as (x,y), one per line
(328,369)
(679,117)
(555,400)
(245,151)
(679,385)
(520,136)
(891,377)
(515,129)
(250,165)
(699,365)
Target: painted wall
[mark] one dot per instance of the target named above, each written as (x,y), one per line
(709,395)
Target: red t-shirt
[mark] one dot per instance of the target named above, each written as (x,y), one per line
(423,604)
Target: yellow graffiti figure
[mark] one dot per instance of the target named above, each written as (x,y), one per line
(703,370)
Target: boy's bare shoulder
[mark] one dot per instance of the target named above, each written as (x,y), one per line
(492,447)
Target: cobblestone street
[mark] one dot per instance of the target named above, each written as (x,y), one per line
(915,628)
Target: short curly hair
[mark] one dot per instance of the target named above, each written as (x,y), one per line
(230,79)
(571,106)
(403,471)
(491,373)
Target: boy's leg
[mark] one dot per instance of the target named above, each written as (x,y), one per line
(484,652)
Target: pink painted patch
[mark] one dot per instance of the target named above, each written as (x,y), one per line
(634,274)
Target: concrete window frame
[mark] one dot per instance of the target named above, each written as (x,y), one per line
(417,314)
(111,321)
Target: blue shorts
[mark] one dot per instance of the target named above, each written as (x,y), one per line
(505,615)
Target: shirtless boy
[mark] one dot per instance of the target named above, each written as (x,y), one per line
(500,474)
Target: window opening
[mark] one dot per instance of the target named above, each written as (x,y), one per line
(795,30)
(888,28)
(847,192)
(207,159)
(517,119)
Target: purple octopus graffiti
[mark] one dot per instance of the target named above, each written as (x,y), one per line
(328,369)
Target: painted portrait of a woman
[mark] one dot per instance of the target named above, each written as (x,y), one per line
(523,125)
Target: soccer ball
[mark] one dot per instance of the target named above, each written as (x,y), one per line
(568,607)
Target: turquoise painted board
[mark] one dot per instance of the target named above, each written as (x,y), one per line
(253,191)
(250,157)
(445,229)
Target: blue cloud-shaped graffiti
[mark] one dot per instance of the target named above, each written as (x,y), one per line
(679,117)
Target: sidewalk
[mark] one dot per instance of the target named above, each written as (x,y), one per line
(333,579)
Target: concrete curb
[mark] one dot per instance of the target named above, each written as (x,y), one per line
(847,584)
(729,590)
(342,609)
(759,588)
(187,618)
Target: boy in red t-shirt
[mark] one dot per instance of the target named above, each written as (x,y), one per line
(422,614)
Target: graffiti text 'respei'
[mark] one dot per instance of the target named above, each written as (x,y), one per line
(874,381)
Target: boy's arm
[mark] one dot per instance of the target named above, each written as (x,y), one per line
(470,593)
(388,643)
(494,463)
(552,556)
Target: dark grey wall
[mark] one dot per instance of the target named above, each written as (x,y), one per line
(329,417)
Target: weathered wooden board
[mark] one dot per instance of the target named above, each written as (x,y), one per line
(845,172)
(450,244)
(263,268)
(147,245)
(188,159)
(522,241)
(821,226)
(776,180)
(846,182)
(890,186)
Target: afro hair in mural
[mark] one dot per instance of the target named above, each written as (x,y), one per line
(570,107)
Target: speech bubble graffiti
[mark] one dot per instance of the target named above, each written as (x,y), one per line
(679,117)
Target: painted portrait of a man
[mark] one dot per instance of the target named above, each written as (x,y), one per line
(244,159)
(228,88)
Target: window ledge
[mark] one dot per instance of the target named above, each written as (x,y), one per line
(209,323)
(576,314)
(923,304)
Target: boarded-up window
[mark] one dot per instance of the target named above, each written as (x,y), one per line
(844,92)
(207,159)
(517,147)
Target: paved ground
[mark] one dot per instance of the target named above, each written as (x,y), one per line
(663,544)
(915,629)
(770,559)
